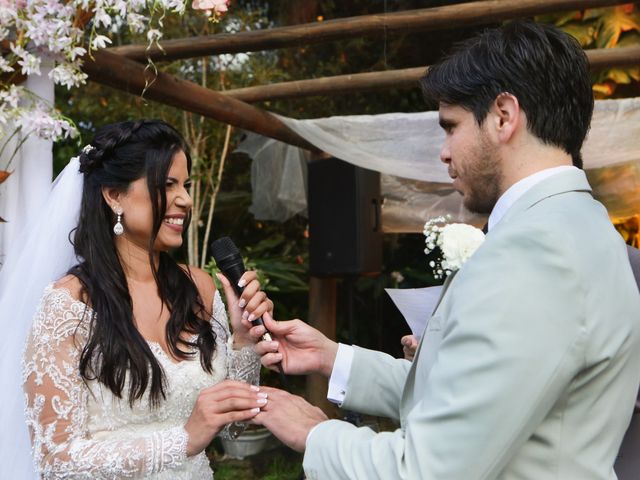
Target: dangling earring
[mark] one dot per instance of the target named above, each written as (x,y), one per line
(118,229)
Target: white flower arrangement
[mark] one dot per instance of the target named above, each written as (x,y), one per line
(456,241)
(52,32)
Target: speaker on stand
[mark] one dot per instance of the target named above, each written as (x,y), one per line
(345,233)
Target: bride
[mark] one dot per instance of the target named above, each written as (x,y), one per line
(130,369)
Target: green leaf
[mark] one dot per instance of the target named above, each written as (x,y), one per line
(584,32)
(619,76)
(613,23)
(604,89)
(592,13)
(634,73)
(558,19)
(629,39)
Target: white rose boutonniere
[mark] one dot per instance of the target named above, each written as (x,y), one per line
(456,241)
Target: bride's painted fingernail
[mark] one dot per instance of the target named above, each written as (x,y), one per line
(262,401)
(242,283)
(242,303)
(251,318)
(255,388)
(255,410)
(245,315)
(262,395)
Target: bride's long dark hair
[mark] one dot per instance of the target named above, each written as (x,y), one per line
(119,154)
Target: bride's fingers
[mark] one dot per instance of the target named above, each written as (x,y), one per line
(229,292)
(255,333)
(256,305)
(270,360)
(263,348)
(247,277)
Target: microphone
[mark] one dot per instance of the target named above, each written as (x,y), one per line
(230,263)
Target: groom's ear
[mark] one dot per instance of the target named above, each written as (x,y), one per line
(505,117)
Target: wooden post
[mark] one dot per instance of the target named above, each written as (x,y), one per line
(322,315)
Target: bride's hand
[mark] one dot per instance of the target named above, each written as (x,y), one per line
(252,304)
(226,402)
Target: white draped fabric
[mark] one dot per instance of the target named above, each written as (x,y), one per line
(22,195)
(405,148)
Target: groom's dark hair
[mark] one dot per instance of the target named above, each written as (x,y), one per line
(543,67)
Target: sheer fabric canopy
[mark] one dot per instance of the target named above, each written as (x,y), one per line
(405,148)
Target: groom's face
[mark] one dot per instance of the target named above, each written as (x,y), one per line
(471,157)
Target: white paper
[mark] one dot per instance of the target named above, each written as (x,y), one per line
(416,305)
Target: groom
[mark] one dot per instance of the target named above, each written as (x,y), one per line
(528,368)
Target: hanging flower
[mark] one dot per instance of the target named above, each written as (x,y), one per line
(456,242)
(55,29)
(214,8)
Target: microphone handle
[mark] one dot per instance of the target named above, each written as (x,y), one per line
(234,278)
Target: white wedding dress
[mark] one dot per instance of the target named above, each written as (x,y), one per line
(81,430)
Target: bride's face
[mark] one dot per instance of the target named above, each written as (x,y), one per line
(138,213)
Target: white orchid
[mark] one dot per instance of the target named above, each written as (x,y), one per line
(100,41)
(38,29)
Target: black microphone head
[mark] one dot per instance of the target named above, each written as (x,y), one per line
(223,247)
(228,259)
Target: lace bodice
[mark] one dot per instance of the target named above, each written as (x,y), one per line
(81,430)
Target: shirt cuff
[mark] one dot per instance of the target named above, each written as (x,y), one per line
(306,443)
(340,375)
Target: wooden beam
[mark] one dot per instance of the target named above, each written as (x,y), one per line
(426,19)
(405,78)
(613,57)
(124,74)
(339,84)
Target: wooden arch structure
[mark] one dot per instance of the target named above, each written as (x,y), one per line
(123,68)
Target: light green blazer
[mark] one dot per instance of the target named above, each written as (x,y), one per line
(527,370)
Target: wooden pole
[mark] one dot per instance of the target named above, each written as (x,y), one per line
(405,78)
(427,19)
(124,74)
(613,57)
(322,315)
(336,85)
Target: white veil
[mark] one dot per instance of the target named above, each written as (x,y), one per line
(41,254)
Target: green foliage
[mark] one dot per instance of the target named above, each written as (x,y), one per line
(611,27)
(283,469)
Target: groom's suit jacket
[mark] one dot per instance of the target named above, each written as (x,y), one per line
(527,370)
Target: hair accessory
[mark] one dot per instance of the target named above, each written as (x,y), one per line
(118,229)
(90,159)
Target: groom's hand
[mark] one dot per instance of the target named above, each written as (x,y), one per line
(409,346)
(289,417)
(299,347)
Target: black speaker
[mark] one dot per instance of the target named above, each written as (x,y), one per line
(345,235)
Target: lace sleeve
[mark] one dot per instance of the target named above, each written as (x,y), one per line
(56,405)
(243,364)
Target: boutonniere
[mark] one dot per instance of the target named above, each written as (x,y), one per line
(456,242)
